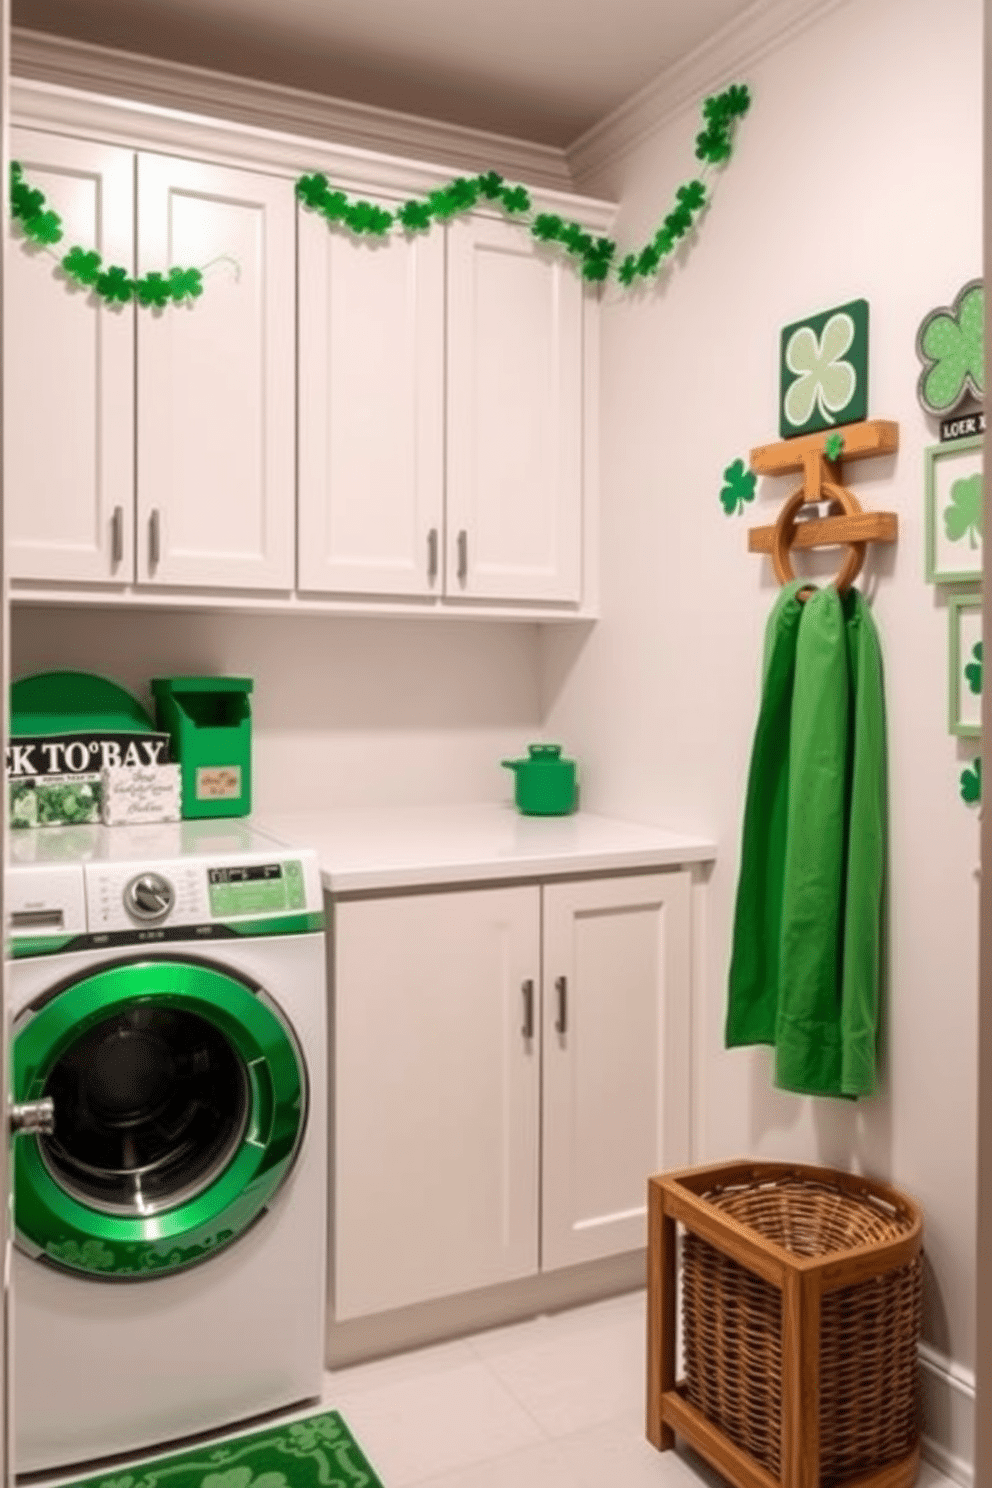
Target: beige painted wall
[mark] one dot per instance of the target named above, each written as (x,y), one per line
(858,173)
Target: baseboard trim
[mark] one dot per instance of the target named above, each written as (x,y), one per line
(948,1410)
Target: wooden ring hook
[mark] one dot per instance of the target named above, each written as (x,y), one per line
(785,529)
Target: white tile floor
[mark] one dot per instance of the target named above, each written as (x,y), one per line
(556,1402)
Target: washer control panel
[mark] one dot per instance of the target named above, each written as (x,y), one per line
(149,898)
(152,900)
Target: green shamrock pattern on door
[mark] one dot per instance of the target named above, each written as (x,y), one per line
(824,370)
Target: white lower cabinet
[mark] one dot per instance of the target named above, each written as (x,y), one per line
(509,1066)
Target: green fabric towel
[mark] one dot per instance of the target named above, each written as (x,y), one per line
(805,964)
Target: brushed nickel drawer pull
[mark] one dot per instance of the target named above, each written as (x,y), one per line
(117,536)
(462,556)
(561,1022)
(154,538)
(432,555)
(527,989)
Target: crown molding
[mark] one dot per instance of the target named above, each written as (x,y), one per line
(44,58)
(763,27)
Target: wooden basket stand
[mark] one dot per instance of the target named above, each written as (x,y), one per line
(801,1304)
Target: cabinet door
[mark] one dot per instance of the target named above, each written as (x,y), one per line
(616,1058)
(69,374)
(371,415)
(216,380)
(435,1096)
(514,485)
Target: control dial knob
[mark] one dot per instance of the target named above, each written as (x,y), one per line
(149,898)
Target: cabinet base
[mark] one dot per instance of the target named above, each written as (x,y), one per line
(359,1339)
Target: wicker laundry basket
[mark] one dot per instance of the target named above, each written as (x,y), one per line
(801,1301)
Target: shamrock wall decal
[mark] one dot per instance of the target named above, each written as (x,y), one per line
(738,488)
(973,671)
(824,370)
(963,513)
(951,345)
(971,783)
(833,444)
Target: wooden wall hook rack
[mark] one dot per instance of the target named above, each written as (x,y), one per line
(821,482)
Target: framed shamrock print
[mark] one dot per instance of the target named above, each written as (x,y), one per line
(824,370)
(965,664)
(954,512)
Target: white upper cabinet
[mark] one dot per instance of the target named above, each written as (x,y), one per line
(371,411)
(69,374)
(216,380)
(514,478)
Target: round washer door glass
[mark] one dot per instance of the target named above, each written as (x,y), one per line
(180,1102)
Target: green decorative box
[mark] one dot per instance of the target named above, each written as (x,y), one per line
(209,722)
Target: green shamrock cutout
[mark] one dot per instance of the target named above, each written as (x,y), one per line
(963,514)
(44,227)
(833,446)
(185,284)
(415,216)
(971,783)
(951,346)
(153,289)
(739,488)
(973,671)
(824,379)
(82,266)
(115,285)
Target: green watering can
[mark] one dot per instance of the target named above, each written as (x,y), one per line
(545,783)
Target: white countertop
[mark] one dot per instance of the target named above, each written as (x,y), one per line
(394,847)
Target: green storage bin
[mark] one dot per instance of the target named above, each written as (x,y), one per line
(209,722)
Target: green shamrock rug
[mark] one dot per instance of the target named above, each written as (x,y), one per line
(318,1450)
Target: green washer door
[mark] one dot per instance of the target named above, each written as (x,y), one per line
(180,1102)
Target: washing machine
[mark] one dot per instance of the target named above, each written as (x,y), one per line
(167,990)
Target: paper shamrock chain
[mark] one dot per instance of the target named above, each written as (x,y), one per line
(739,484)
(594,256)
(951,346)
(112,284)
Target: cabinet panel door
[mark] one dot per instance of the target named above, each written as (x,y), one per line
(435,1096)
(216,380)
(514,487)
(616,1085)
(371,417)
(69,374)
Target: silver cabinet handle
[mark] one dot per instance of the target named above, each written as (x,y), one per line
(117,535)
(33,1118)
(527,988)
(462,556)
(432,555)
(154,538)
(561,987)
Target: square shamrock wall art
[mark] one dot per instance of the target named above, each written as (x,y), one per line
(824,369)
(954,512)
(965,665)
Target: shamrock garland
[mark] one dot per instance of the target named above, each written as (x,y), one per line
(112,283)
(594,256)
